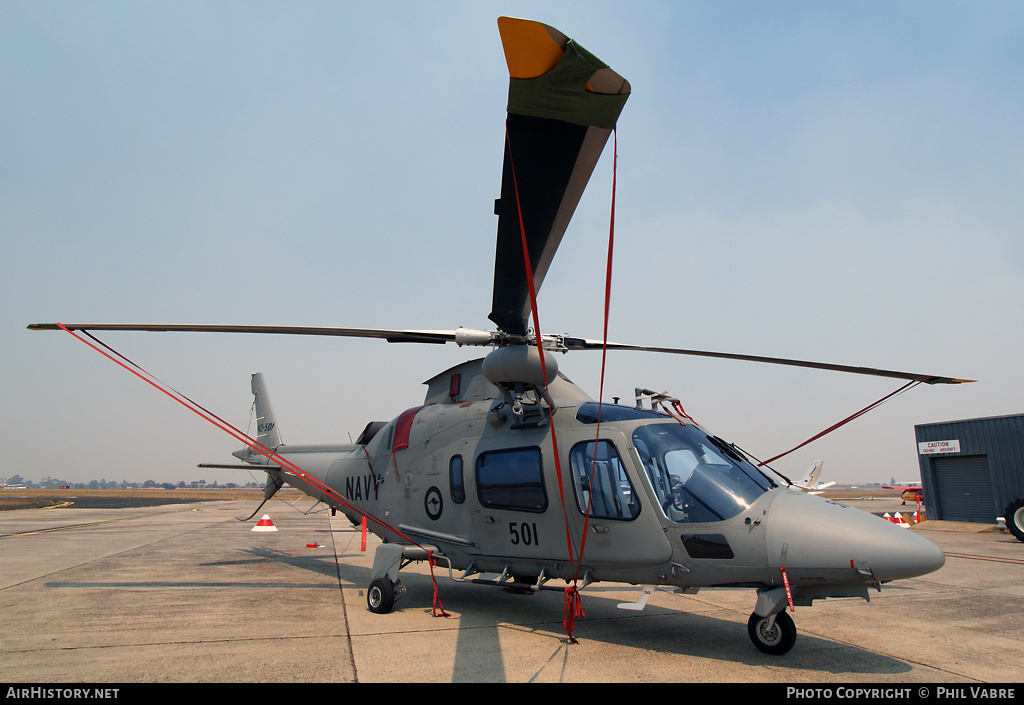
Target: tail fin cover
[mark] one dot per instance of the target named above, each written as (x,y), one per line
(563,103)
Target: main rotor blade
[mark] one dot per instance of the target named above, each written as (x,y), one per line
(392,336)
(563,103)
(582,344)
(466,336)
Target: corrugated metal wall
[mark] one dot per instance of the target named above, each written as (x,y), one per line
(999,438)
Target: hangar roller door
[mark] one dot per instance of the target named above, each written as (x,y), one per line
(964,489)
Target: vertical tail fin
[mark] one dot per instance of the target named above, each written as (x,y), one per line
(269,436)
(267,432)
(810,480)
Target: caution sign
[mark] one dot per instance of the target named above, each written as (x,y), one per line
(930,447)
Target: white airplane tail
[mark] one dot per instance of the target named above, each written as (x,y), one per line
(810,481)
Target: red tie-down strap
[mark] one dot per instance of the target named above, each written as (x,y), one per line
(604,356)
(220,423)
(789,594)
(437,609)
(848,419)
(573,607)
(540,347)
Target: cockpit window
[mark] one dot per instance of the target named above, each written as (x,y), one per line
(694,480)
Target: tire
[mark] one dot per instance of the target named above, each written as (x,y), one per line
(380,597)
(1014,516)
(776,641)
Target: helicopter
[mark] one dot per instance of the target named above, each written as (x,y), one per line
(509,474)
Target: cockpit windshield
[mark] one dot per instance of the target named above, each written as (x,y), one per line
(695,479)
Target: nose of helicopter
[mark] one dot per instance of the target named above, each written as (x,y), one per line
(807,532)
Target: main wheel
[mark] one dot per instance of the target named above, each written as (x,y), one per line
(777,640)
(1014,516)
(380,598)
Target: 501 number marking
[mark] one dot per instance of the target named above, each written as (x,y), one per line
(524,533)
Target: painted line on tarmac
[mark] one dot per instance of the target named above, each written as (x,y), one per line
(81,526)
(986,558)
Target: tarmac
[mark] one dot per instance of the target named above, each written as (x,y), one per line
(185,593)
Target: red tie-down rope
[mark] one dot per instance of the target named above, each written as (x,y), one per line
(604,340)
(848,419)
(573,606)
(220,423)
(568,620)
(540,346)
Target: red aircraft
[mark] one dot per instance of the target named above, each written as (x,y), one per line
(914,493)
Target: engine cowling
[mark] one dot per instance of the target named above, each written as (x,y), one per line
(520,364)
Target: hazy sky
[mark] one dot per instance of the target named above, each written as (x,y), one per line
(829,181)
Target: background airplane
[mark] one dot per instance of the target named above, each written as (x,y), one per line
(810,483)
(911,492)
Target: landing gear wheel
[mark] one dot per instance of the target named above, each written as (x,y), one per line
(1014,516)
(775,641)
(380,598)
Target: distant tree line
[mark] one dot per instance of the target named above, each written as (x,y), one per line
(103,484)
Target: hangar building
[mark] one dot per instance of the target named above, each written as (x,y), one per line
(972,470)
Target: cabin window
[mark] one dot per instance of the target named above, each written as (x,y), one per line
(601,482)
(458,487)
(511,479)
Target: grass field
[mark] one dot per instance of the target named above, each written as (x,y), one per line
(30,498)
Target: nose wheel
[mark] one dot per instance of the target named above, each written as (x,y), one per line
(774,634)
(381,595)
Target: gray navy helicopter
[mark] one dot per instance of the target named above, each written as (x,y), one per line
(510,470)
